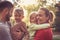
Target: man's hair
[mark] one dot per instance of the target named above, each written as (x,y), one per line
(5,4)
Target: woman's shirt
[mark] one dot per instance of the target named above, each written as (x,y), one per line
(43,34)
(34,27)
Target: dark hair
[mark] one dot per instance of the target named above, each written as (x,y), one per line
(46,11)
(19,11)
(48,14)
(5,4)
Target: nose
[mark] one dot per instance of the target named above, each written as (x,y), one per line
(37,17)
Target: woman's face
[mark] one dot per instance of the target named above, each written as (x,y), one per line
(41,17)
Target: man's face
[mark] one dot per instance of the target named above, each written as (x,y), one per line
(9,14)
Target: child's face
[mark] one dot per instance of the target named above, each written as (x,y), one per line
(41,17)
(18,17)
(33,18)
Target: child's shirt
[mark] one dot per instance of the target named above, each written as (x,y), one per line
(33,27)
(19,31)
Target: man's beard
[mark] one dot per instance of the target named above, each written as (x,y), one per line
(7,17)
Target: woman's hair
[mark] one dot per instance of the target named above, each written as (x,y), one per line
(52,16)
(48,14)
(46,11)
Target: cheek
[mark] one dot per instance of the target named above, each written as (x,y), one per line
(41,19)
(21,17)
(45,19)
(34,19)
(31,20)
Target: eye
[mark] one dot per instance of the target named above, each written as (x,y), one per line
(39,15)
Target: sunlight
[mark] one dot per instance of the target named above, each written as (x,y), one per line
(26,2)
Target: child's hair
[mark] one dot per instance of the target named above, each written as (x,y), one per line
(32,16)
(33,13)
(48,14)
(5,4)
(19,11)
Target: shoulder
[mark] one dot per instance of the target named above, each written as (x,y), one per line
(3,28)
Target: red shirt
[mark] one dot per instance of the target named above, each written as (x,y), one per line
(44,34)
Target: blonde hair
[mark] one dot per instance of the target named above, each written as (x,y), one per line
(52,17)
(34,12)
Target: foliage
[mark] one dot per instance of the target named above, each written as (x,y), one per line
(35,7)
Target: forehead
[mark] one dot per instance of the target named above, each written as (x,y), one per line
(33,15)
(41,11)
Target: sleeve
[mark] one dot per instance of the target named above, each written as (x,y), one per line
(40,26)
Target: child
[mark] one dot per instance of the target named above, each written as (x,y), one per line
(19,30)
(34,26)
(44,17)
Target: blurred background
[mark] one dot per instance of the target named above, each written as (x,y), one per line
(33,5)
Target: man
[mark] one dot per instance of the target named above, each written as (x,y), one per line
(6,9)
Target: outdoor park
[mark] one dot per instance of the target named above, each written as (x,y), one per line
(33,5)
